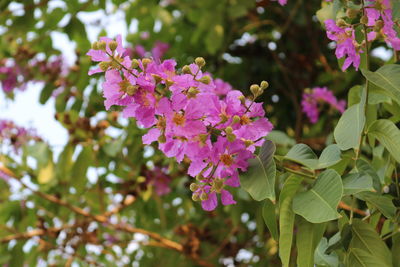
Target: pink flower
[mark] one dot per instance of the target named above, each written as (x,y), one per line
(319,95)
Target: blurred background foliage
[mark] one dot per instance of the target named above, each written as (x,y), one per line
(77,205)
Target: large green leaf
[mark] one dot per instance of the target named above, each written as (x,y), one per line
(388,134)
(357,182)
(269,217)
(79,170)
(307,239)
(358,257)
(259,180)
(304,155)
(396,250)
(350,126)
(366,239)
(319,204)
(366,168)
(286,217)
(387,78)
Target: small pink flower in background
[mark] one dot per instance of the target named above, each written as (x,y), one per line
(16,136)
(9,76)
(159,180)
(313,100)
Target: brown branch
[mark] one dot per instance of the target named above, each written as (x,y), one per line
(344,206)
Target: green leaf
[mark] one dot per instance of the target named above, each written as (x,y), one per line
(321,258)
(350,126)
(281,138)
(46,93)
(112,148)
(366,168)
(357,182)
(388,135)
(64,163)
(304,155)
(269,217)
(329,157)
(366,239)
(396,250)
(259,180)
(286,217)
(383,203)
(319,204)
(358,257)
(80,168)
(307,239)
(387,78)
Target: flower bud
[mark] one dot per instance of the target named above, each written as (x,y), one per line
(95,46)
(102,45)
(104,65)
(228,130)
(379,25)
(194,187)
(157,78)
(217,185)
(341,23)
(236,119)
(113,45)
(203,137)
(192,92)
(200,62)
(255,90)
(242,99)
(205,79)
(131,89)
(186,70)
(351,13)
(364,20)
(162,139)
(231,137)
(145,62)
(168,83)
(248,143)
(195,197)
(204,196)
(264,85)
(199,177)
(135,63)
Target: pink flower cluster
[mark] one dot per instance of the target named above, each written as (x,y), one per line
(380,17)
(9,73)
(159,179)
(313,99)
(191,115)
(379,22)
(14,135)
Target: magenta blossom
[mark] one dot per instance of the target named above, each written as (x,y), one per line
(319,95)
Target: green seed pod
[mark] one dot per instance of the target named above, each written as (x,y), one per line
(113,45)
(195,197)
(228,130)
(200,62)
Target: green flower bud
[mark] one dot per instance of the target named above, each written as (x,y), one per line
(231,137)
(236,119)
(351,13)
(242,99)
(204,196)
(228,130)
(255,89)
(341,23)
(264,85)
(131,89)
(168,83)
(378,25)
(203,137)
(248,143)
(145,62)
(195,197)
(186,70)
(135,63)
(113,45)
(104,65)
(205,79)
(192,92)
(218,185)
(199,177)
(194,187)
(102,45)
(162,139)
(200,62)
(157,78)
(95,46)
(364,20)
